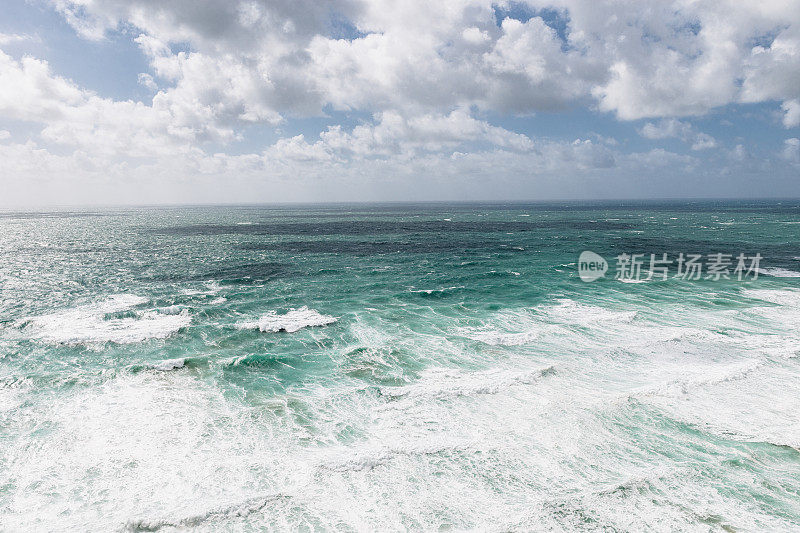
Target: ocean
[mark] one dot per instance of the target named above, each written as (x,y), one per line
(435,367)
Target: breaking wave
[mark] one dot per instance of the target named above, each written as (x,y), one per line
(779,272)
(440,383)
(294,320)
(237,510)
(113,320)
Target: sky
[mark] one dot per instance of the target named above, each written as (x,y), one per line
(250,101)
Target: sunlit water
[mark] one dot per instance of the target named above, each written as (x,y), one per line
(434,367)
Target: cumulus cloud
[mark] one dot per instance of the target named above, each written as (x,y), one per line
(636,58)
(74,116)
(394,134)
(427,74)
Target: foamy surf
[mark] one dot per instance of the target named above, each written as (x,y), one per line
(786,297)
(500,338)
(169,364)
(442,383)
(234,510)
(290,322)
(573,312)
(779,272)
(490,401)
(97,323)
(436,291)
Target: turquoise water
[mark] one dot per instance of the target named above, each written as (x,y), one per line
(391,367)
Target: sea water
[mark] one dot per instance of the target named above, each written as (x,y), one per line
(391,367)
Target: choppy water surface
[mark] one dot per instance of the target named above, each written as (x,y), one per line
(435,367)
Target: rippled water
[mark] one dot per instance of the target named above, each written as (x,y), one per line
(435,367)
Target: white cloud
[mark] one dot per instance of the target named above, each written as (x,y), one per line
(791,117)
(428,75)
(76,117)
(146,80)
(703,141)
(668,128)
(637,58)
(394,134)
(739,153)
(9,38)
(475,36)
(791,150)
(678,58)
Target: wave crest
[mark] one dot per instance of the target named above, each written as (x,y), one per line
(101,323)
(294,320)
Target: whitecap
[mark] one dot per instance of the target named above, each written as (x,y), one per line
(431,291)
(170,364)
(788,297)
(294,320)
(502,338)
(442,383)
(170,310)
(573,312)
(238,510)
(702,376)
(779,272)
(372,456)
(90,324)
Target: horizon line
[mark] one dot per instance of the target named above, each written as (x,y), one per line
(610,201)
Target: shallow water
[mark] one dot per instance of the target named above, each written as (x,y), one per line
(392,367)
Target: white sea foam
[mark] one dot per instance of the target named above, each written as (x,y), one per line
(90,324)
(170,452)
(779,272)
(544,322)
(294,320)
(431,291)
(442,383)
(501,338)
(170,310)
(374,455)
(787,297)
(701,376)
(157,446)
(739,402)
(234,510)
(577,313)
(170,364)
